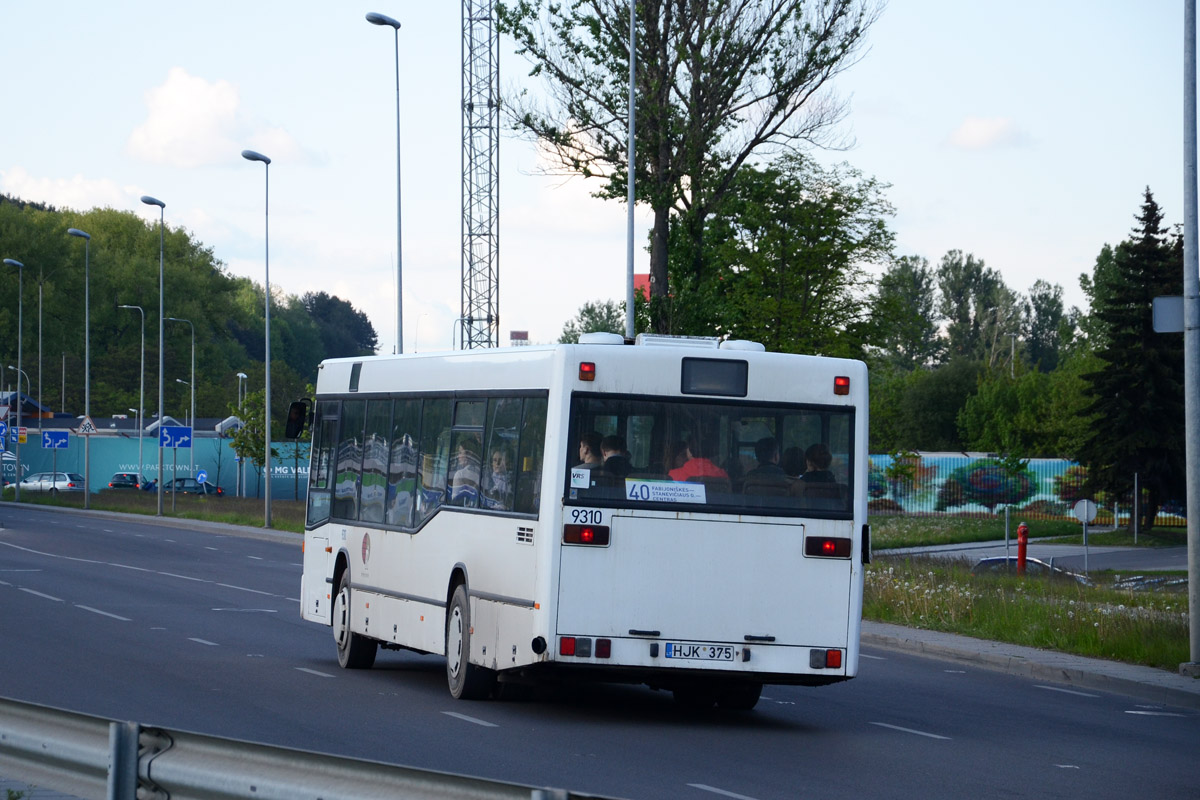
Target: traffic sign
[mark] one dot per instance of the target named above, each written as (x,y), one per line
(18,435)
(87,427)
(52,440)
(174,436)
(202,476)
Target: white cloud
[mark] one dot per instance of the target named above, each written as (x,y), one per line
(191,122)
(987,133)
(76,193)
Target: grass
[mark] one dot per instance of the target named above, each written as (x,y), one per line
(889,531)
(1156,537)
(1101,621)
(286,515)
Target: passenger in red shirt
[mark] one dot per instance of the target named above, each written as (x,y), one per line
(697,466)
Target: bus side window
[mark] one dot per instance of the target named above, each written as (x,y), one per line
(434,457)
(324,438)
(348,473)
(533,452)
(375,460)
(499,462)
(402,471)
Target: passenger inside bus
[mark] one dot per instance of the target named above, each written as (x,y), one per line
(793,461)
(817,460)
(698,464)
(464,477)
(590,456)
(616,460)
(498,481)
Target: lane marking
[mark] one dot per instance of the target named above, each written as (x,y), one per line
(127,566)
(955,671)
(1064,691)
(183,577)
(202,641)
(1156,713)
(256,558)
(465,718)
(706,788)
(911,730)
(50,555)
(210,548)
(873,658)
(244,589)
(103,613)
(39,594)
(249,610)
(314,672)
(1066,766)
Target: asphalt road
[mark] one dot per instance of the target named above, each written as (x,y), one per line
(200,631)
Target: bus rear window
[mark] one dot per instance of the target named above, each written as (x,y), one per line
(725,457)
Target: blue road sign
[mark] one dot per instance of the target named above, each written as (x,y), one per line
(3,435)
(52,440)
(174,436)
(202,476)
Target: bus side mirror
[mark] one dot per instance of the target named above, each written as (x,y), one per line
(296,419)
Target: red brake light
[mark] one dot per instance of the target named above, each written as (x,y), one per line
(566,645)
(587,371)
(603,648)
(827,547)
(585,534)
(833,659)
(841,385)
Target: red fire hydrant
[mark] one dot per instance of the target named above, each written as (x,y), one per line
(1022,544)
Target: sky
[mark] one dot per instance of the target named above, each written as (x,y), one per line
(1023,132)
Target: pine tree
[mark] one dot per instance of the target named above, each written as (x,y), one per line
(1137,395)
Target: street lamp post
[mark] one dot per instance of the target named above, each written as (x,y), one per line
(186,417)
(192,449)
(141,409)
(250,155)
(241,489)
(151,201)
(380,19)
(20,297)
(87,360)
(41,286)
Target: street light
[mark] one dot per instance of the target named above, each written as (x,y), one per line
(380,19)
(141,409)
(191,450)
(41,286)
(20,297)
(151,201)
(250,155)
(241,489)
(185,414)
(28,390)
(87,360)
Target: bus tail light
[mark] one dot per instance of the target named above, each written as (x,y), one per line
(825,659)
(603,648)
(827,547)
(566,645)
(841,385)
(587,370)
(586,534)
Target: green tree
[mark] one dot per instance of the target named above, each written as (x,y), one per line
(346,331)
(904,316)
(979,308)
(1137,392)
(1045,319)
(716,83)
(787,246)
(930,403)
(606,316)
(249,442)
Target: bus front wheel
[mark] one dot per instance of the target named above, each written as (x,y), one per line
(354,651)
(467,681)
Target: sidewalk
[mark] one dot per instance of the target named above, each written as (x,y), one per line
(1156,685)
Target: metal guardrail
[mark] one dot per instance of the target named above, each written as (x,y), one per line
(91,757)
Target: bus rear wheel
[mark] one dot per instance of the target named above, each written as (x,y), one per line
(354,651)
(739,696)
(467,681)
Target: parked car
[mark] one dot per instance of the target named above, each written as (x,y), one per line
(52,482)
(190,486)
(1001,565)
(126,480)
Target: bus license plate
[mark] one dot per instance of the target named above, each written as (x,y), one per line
(700,652)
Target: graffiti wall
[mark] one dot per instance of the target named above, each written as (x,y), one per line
(964,483)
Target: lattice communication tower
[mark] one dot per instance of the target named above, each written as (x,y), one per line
(480,321)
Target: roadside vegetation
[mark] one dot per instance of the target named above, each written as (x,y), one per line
(286,515)
(1102,621)
(888,531)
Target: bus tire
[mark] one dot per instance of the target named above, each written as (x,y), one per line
(467,681)
(739,696)
(695,696)
(354,650)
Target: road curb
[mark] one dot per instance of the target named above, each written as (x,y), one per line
(1081,672)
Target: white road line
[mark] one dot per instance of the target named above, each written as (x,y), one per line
(39,594)
(706,788)
(465,718)
(244,589)
(1064,691)
(873,658)
(126,566)
(314,672)
(911,730)
(103,613)
(1066,766)
(183,577)
(955,671)
(210,548)
(1156,713)
(202,641)
(256,558)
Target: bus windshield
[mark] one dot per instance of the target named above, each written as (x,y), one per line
(725,457)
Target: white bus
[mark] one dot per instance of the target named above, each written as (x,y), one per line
(718,548)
